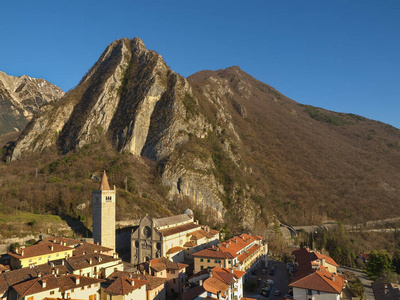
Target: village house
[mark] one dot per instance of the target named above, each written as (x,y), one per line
(38,254)
(80,247)
(243,253)
(223,283)
(94,265)
(123,288)
(175,273)
(51,286)
(316,277)
(155,286)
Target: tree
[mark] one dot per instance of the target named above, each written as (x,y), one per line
(396,261)
(379,266)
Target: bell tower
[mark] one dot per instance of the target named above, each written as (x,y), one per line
(104,214)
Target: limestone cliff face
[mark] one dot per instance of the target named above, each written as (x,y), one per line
(21,97)
(223,142)
(146,109)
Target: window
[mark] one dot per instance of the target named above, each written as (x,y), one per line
(48,256)
(319,292)
(172,272)
(309,292)
(30,260)
(201,267)
(58,254)
(201,260)
(174,280)
(51,292)
(29,298)
(92,297)
(39,258)
(216,261)
(208,260)
(172,291)
(82,288)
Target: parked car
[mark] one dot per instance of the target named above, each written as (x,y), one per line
(272,272)
(288,296)
(277,292)
(265,293)
(270,282)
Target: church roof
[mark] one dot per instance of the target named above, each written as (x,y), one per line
(173,220)
(104,186)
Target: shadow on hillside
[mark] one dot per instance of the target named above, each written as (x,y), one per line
(78,228)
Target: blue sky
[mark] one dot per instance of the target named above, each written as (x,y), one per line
(339,55)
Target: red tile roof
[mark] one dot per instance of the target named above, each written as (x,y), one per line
(248,253)
(65,282)
(125,285)
(175,249)
(88,260)
(214,285)
(153,282)
(177,229)
(39,249)
(229,249)
(162,263)
(320,281)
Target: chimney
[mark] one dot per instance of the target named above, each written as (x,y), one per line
(51,247)
(62,262)
(231,271)
(323,262)
(132,282)
(43,282)
(200,282)
(218,295)
(77,280)
(57,271)
(100,259)
(39,274)
(22,252)
(53,271)
(333,277)
(90,261)
(210,272)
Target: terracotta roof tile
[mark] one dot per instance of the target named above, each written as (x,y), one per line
(172,220)
(320,281)
(153,282)
(193,293)
(124,285)
(162,263)
(65,282)
(87,260)
(214,285)
(179,228)
(189,244)
(175,249)
(39,249)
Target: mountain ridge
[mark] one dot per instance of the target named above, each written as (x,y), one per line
(21,97)
(224,143)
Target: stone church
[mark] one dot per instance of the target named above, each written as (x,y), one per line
(175,237)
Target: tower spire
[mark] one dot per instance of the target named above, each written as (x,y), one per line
(104,186)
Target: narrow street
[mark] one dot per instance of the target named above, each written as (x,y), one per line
(369,294)
(280,278)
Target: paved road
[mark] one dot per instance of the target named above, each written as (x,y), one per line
(280,278)
(369,294)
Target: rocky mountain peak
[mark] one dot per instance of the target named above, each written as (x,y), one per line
(223,141)
(21,97)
